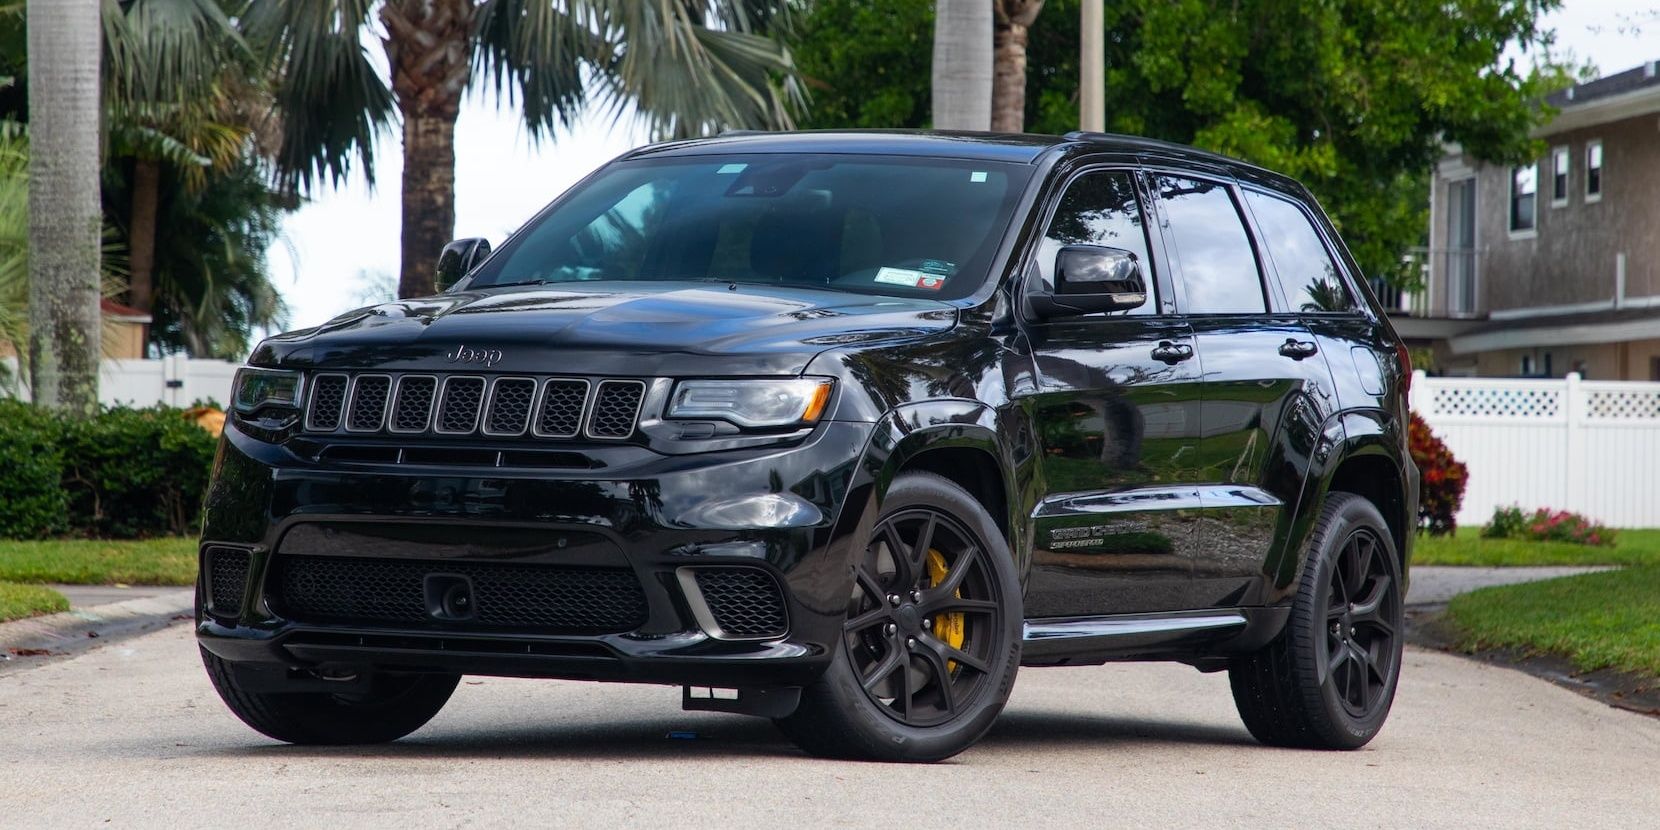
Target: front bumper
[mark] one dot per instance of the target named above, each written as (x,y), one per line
(788,511)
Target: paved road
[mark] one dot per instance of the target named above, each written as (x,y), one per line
(132,734)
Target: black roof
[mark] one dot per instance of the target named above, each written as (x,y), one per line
(1645,75)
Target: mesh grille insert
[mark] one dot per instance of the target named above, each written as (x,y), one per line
(745,602)
(510,402)
(368,410)
(392,591)
(615,407)
(458,411)
(227,579)
(413,408)
(561,413)
(328,398)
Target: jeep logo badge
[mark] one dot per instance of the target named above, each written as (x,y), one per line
(462,354)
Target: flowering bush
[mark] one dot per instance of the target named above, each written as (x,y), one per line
(1441,479)
(1545,525)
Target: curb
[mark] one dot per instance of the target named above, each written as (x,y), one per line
(24,642)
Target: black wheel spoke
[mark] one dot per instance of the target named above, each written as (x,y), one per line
(1366,610)
(904,574)
(924,543)
(956,605)
(871,586)
(894,660)
(960,657)
(867,619)
(959,571)
(942,677)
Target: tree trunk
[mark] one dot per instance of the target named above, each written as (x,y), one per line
(962,64)
(1010,30)
(426,45)
(64,212)
(141,238)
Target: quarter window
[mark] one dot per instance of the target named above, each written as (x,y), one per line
(1218,267)
(1593,171)
(1099,209)
(1559,176)
(1308,276)
(1524,197)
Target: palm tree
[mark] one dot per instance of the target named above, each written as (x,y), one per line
(1011,27)
(64,217)
(962,64)
(174,67)
(688,67)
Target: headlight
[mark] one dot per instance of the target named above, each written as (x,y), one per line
(753,403)
(256,388)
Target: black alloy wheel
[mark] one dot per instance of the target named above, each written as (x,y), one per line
(1328,680)
(922,620)
(931,643)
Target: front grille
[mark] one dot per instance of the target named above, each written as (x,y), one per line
(540,598)
(745,602)
(503,407)
(227,577)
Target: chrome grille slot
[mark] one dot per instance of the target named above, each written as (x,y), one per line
(616,405)
(560,415)
(367,411)
(459,405)
(328,400)
(509,409)
(412,406)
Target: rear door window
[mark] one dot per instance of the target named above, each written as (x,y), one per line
(1218,265)
(1100,208)
(1307,274)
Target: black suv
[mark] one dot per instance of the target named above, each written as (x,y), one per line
(839,429)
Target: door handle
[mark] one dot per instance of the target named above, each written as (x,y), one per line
(1298,349)
(1172,353)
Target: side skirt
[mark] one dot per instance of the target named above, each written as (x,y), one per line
(1198,637)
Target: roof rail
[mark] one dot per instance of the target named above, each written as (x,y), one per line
(724,133)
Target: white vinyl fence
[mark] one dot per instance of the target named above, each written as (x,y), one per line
(175,381)
(1588,446)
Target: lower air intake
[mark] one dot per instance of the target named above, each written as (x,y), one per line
(227,578)
(745,603)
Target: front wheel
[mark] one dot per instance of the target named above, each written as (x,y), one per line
(931,642)
(385,707)
(1329,680)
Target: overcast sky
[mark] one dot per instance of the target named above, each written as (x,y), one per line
(334,250)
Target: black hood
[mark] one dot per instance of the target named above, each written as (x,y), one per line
(625,328)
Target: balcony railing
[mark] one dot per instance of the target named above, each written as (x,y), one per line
(1451,280)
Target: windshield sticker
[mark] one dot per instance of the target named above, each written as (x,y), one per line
(727,169)
(911,278)
(977,176)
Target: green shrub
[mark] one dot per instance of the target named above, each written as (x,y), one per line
(135,472)
(1545,525)
(32,500)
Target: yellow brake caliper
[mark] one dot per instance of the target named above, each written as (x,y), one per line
(949,628)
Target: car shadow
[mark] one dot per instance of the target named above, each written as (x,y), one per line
(709,737)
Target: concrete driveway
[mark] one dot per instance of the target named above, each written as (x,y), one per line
(132,734)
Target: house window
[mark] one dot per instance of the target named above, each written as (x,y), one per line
(1524,196)
(1593,171)
(1559,161)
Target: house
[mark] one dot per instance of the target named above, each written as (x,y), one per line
(123,332)
(1553,266)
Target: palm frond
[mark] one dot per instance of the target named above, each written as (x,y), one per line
(333,101)
(531,53)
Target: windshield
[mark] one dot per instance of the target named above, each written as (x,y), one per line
(874,224)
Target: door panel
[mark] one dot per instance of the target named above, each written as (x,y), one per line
(1116,412)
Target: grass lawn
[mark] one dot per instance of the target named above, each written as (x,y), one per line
(1466,547)
(19,601)
(168,561)
(1600,620)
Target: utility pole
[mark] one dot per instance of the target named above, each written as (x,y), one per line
(1092,62)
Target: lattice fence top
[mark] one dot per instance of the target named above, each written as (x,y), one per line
(1497,401)
(1641,403)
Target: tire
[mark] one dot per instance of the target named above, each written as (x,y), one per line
(1328,680)
(394,706)
(946,608)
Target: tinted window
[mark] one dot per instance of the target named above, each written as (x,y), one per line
(1099,209)
(872,224)
(1306,272)
(1219,270)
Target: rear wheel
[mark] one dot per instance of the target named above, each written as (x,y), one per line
(931,642)
(381,708)
(1329,680)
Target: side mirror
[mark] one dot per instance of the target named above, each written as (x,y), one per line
(1089,279)
(459,258)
